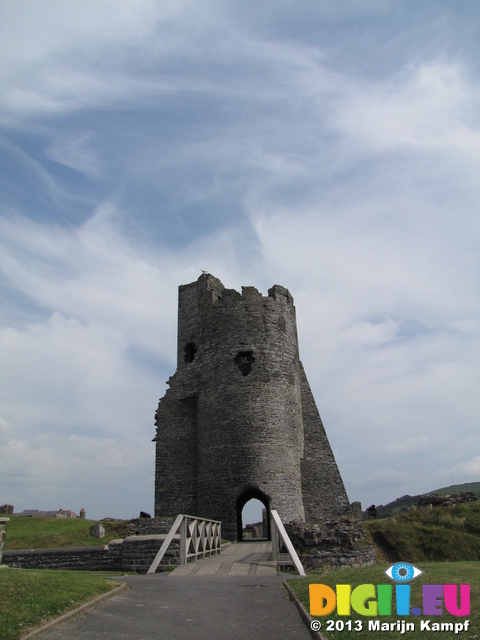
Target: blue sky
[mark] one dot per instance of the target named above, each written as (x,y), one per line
(330,147)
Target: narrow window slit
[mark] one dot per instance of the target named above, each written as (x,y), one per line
(190,351)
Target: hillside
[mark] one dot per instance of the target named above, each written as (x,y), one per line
(429,534)
(403,503)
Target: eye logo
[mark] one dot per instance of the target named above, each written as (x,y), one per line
(403,572)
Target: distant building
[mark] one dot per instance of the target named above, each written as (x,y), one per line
(35,513)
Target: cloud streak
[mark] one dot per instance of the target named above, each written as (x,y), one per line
(332,152)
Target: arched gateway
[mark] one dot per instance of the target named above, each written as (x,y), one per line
(247,495)
(239,419)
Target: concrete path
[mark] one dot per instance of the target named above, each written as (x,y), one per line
(240,559)
(160,607)
(219,600)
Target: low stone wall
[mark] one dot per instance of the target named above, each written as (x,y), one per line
(135,553)
(139,552)
(75,558)
(149,526)
(363,556)
(438,500)
(332,544)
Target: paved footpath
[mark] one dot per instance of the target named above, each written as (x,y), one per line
(225,602)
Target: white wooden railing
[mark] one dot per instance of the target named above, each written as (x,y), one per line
(278,531)
(199,538)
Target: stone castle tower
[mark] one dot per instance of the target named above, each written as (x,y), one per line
(239,420)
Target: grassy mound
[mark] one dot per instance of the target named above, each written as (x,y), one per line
(429,534)
(47,533)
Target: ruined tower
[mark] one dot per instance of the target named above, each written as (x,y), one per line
(239,420)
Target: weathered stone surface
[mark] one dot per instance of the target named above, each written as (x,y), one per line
(437,499)
(6,509)
(98,530)
(332,543)
(3,535)
(357,510)
(239,420)
(135,553)
(146,526)
(74,558)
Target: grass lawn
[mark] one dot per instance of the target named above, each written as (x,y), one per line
(434,573)
(45,533)
(30,597)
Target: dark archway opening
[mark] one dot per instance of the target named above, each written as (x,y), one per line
(246,496)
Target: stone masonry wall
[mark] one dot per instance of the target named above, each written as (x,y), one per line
(135,553)
(239,419)
(323,490)
(332,543)
(79,558)
(147,526)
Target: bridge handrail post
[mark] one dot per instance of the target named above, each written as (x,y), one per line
(183,540)
(214,540)
(166,544)
(275,541)
(278,525)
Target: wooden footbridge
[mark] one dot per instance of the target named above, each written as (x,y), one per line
(202,552)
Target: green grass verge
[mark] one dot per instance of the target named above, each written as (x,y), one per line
(434,573)
(29,598)
(46,533)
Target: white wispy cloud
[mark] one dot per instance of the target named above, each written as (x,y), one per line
(333,151)
(78,153)
(468,469)
(431,106)
(406,446)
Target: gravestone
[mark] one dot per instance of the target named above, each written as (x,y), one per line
(3,535)
(98,530)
